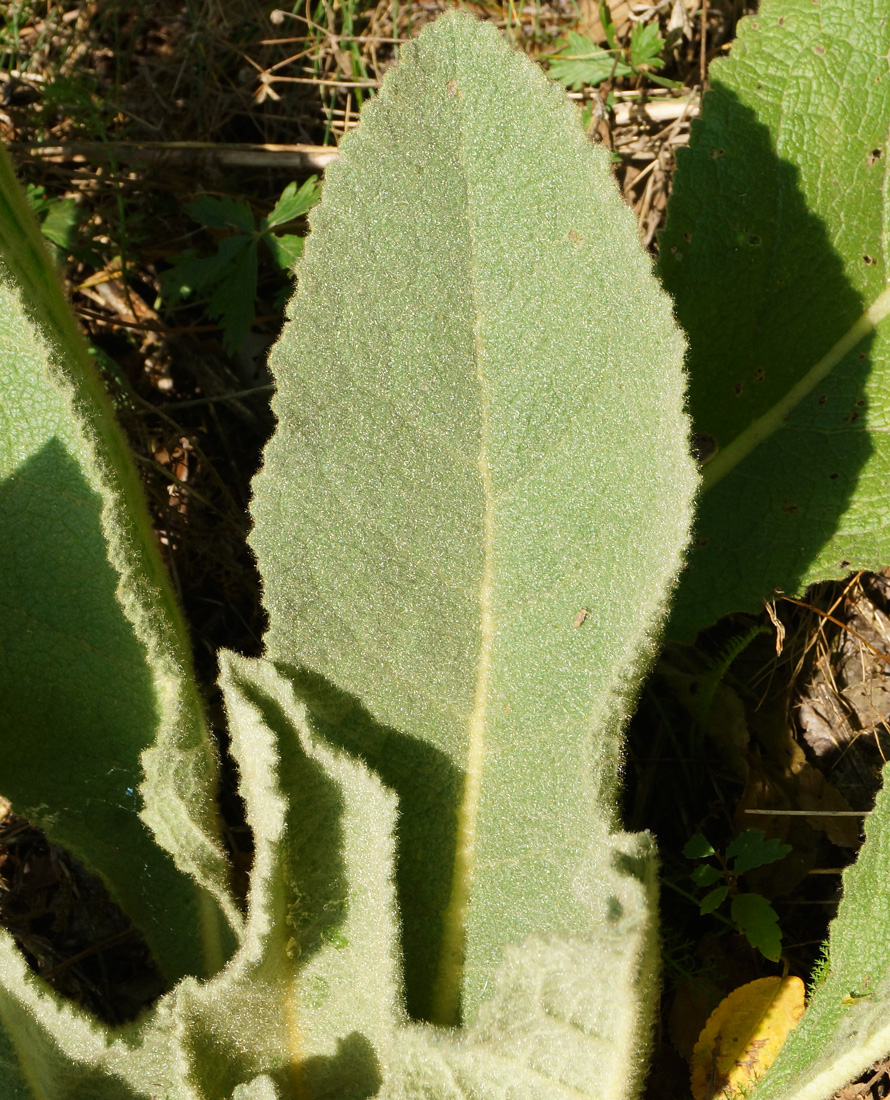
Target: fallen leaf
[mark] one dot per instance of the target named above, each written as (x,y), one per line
(743,1036)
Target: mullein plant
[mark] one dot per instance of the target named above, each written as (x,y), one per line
(469,524)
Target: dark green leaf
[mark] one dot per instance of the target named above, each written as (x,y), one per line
(232,302)
(713,901)
(706,875)
(750,849)
(698,847)
(759,922)
(223,213)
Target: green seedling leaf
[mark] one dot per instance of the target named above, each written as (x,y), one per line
(751,849)
(782,289)
(102,737)
(645,46)
(706,875)
(57,217)
(286,249)
(582,63)
(714,900)
(294,203)
(60,223)
(233,299)
(607,24)
(466,460)
(222,213)
(228,278)
(759,922)
(698,847)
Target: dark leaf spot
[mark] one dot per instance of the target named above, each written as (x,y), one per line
(870,261)
(833,477)
(738,388)
(759,375)
(788,509)
(819,50)
(822,398)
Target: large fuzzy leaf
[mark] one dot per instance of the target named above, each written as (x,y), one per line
(310,1005)
(100,722)
(775,252)
(472,512)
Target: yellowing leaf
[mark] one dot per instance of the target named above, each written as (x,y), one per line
(743,1035)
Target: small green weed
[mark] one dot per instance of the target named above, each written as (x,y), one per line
(228,277)
(58,220)
(820,971)
(751,913)
(582,63)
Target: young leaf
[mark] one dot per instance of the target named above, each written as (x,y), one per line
(713,900)
(293,203)
(222,213)
(698,847)
(228,278)
(759,922)
(706,875)
(286,249)
(582,63)
(645,46)
(475,443)
(101,723)
(750,849)
(743,1036)
(774,253)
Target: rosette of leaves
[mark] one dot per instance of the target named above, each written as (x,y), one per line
(468,524)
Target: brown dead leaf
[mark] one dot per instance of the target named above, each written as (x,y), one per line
(743,1036)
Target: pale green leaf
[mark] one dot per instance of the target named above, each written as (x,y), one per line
(473,509)
(293,203)
(310,1002)
(101,730)
(313,996)
(581,62)
(775,252)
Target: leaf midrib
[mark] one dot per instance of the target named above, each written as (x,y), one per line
(446,999)
(764,426)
